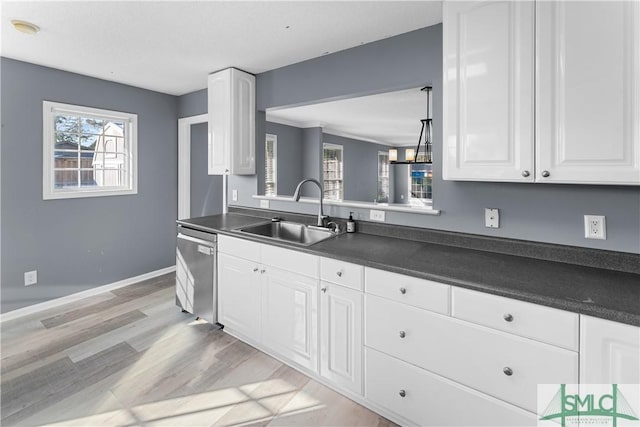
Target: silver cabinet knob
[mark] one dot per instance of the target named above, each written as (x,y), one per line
(402,393)
(403,334)
(324,289)
(508,317)
(339,273)
(263,271)
(403,291)
(545,174)
(255,269)
(507,371)
(525,173)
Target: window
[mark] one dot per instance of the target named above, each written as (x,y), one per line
(420,180)
(332,171)
(383,177)
(271,165)
(87,152)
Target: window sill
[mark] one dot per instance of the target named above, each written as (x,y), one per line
(356,204)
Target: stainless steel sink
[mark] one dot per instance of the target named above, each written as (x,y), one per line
(291,232)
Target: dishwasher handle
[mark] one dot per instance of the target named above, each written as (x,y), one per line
(195,240)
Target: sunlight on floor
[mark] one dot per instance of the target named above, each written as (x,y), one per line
(232,406)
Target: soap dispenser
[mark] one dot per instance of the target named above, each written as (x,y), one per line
(351,224)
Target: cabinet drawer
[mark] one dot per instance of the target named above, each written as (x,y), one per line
(529,320)
(289,260)
(470,354)
(431,400)
(239,247)
(342,273)
(409,290)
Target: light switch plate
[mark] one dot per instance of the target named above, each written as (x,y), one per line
(595,227)
(375,215)
(234,195)
(30,278)
(491,218)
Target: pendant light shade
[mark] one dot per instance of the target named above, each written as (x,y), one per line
(393,155)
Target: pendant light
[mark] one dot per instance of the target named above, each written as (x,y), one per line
(423,153)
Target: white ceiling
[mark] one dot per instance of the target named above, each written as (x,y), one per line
(171,46)
(389,118)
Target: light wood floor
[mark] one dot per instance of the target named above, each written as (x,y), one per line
(131,357)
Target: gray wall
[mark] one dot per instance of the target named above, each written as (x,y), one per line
(360,167)
(538,212)
(206,190)
(77,244)
(289,156)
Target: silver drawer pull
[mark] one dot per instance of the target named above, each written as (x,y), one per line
(263,271)
(525,173)
(339,273)
(402,393)
(324,289)
(508,317)
(507,371)
(545,174)
(255,269)
(403,334)
(403,291)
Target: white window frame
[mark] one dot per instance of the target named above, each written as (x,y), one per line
(384,154)
(336,147)
(270,138)
(49,111)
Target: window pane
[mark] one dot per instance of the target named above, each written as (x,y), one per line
(110,177)
(66,141)
(66,178)
(67,123)
(332,173)
(88,142)
(87,178)
(65,160)
(91,126)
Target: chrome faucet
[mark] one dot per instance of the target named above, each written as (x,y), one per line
(296,197)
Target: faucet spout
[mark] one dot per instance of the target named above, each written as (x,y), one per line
(296,197)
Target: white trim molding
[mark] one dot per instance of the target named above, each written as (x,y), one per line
(184,163)
(15,314)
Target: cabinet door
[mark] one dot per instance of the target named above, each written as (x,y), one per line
(588,92)
(289,316)
(488,90)
(239,294)
(609,352)
(231,103)
(219,95)
(243,123)
(341,336)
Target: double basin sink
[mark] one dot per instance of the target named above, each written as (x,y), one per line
(290,232)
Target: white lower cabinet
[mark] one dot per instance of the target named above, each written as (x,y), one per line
(609,352)
(289,316)
(426,399)
(239,295)
(341,336)
(420,352)
(502,365)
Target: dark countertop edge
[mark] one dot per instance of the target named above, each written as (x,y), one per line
(574,255)
(532,297)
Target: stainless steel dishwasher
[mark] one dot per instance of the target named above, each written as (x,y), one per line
(196,281)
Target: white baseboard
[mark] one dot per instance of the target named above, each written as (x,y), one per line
(11,315)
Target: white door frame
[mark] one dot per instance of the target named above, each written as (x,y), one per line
(184,163)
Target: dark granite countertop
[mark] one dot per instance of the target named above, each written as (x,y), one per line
(597,292)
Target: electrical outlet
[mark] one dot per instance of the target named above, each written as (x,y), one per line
(234,195)
(376,215)
(491,218)
(595,227)
(264,204)
(31,278)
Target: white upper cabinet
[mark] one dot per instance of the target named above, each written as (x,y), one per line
(488,90)
(232,105)
(588,92)
(585,68)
